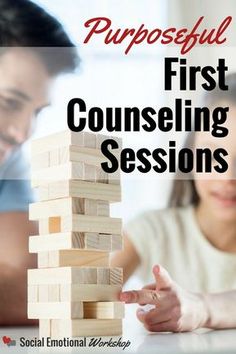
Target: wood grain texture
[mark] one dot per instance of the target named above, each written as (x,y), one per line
(73,292)
(70,170)
(67,138)
(80,189)
(86,223)
(67,206)
(74,240)
(73,275)
(55,310)
(70,258)
(104,310)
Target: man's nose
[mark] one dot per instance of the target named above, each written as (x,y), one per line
(20,129)
(16,134)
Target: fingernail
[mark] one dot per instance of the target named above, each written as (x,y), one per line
(140,311)
(124,296)
(156,269)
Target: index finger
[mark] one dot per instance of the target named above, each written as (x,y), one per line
(150,286)
(142,297)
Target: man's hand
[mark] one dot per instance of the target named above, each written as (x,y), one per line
(175,309)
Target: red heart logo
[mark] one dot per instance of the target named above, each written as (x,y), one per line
(6,340)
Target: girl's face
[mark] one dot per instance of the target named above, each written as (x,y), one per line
(217,192)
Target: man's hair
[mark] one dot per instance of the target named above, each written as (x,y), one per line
(25,24)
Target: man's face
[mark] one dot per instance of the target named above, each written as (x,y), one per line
(24,88)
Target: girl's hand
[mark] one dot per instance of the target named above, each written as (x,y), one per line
(175,309)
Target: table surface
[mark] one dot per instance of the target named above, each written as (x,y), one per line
(201,341)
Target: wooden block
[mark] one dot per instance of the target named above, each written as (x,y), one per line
(63,275)
(103,310)
(103,275)
(89,140)
(65,138)
(43,226)
(90,207)
(71,275)
(101,138)
(54,292)
(75,171)
(80,189)
(54,224)
(49,276)
(89,292)
(56,140)
(44,328)
(41,161)
(77,240)
(54,157)
(49,225)
(74,292)
(101,176)
(97,241)
(32,295)
(116,275)
(70,258)
(43,260)
(72,240)
(73,310)
(86,223)
(114,178)
(103,208)
(85,327)
(55,310)
(43,192)
(84,275)
(64,154)
(71,153)
(42,293)
(57,241)
(89,173)
(116,242)
(70,170)
(92,157)
(52,209)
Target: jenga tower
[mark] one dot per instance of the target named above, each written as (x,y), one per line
(74,291)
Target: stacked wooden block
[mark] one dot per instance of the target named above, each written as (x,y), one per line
(74,291)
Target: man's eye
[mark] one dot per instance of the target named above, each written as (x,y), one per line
(10,104)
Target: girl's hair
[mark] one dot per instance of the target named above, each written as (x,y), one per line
(183,191)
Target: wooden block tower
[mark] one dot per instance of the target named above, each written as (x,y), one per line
(74,291)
